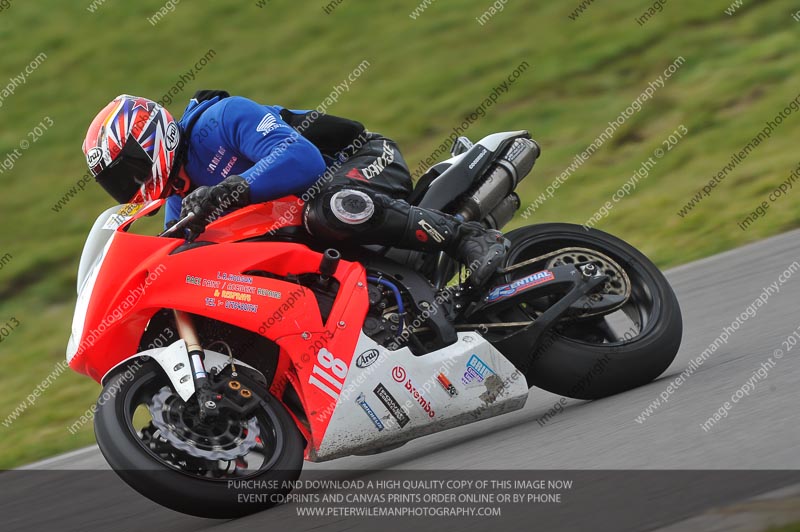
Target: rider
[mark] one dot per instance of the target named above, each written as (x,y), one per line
(228,152)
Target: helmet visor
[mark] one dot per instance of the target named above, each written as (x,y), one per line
(126,174)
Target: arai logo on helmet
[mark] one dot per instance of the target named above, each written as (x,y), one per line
(367,358)
(499,292)
(172,136)
(93,157)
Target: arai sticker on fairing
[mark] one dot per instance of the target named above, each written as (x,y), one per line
(506,290)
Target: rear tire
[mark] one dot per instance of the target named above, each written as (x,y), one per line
(575,367)
(183,491)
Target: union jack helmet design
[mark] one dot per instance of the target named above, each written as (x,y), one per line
(131,147)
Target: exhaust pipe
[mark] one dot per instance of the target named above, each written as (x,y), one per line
(509,170)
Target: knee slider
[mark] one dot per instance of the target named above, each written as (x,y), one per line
(339,213)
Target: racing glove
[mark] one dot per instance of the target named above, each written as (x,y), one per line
(209,203)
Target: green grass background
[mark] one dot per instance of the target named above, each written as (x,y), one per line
(425,76)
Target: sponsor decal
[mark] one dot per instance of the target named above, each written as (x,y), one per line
(229,166)
(477,370)
(367,358)
(399,375)
(93,157)
(241,288)
(447,385)
(392,405)
(212,166)
(361,400)
(500,292)
(244,307)
(380,164)
(236,278)
(172,136)
(478,159)
(230,294)
(431,231)
(233,287)
(269,293)
(125,213)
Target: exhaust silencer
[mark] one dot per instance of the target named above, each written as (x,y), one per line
(504,212)
(509,170)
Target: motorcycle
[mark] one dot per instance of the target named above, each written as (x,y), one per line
(237,355)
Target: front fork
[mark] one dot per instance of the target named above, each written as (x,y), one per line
(206,397)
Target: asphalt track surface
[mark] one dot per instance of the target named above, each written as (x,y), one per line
(761,432)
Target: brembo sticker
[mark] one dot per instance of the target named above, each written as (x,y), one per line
(506,290)
(399,375)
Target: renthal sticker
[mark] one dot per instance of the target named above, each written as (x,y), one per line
(431,231)
(506,290)
(361,400)
(447,385)
(477,370)
(392,405)
(367,358)
(399,375)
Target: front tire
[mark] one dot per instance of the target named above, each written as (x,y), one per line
(144,459)
(582,359)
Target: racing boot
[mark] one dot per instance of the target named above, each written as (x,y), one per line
(481,250)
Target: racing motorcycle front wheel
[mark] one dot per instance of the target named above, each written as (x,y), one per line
(586,355)
(225,467)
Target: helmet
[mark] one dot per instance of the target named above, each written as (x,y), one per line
(131,148)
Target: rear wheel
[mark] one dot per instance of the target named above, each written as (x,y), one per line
(589,356)
(226,467)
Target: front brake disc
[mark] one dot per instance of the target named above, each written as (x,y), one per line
(168,418)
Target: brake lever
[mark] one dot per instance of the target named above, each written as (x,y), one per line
(179,225)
